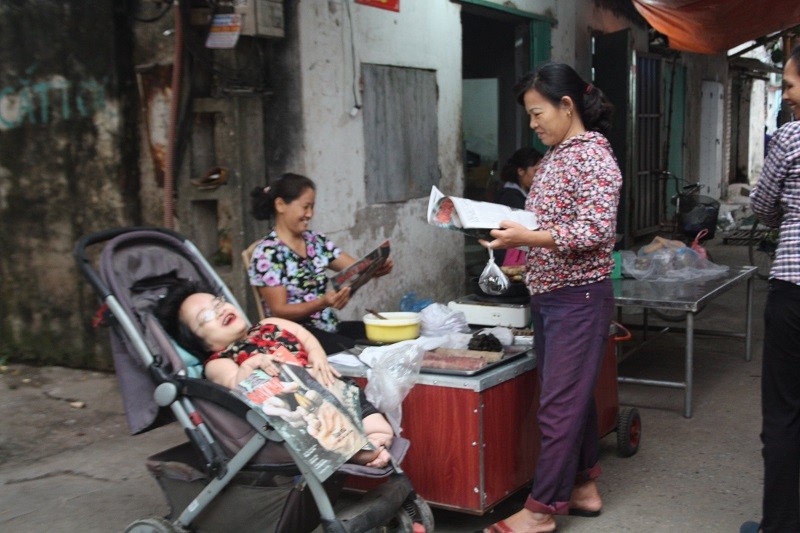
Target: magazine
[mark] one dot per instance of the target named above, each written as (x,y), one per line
(472,217)
(362,270)
(323,425)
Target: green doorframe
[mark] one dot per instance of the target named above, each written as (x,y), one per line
(539,54)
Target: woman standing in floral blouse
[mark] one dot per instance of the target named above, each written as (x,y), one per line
(289,265)
(575,194)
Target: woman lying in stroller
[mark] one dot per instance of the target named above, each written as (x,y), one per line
(215,331)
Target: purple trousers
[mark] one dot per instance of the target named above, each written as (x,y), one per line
(571,327)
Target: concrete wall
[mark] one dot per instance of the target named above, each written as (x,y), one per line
(64,169)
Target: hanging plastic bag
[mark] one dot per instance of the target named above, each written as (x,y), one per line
(492,280)
(697,247)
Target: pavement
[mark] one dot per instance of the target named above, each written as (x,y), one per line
(67,462)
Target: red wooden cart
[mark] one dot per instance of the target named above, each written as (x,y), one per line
(475,440)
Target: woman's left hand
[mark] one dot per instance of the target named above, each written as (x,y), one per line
(509,235)
(385,268)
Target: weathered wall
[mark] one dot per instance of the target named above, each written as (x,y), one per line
(64,169)
(424,35)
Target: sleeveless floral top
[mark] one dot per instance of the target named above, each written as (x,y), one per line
(262,338)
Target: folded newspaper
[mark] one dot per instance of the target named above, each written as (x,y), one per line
(472,217)
(363,270)
(323,425)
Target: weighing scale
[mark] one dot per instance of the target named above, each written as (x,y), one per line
(484,313)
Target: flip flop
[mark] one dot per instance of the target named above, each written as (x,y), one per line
(502,527)
(574,511)
(497,527)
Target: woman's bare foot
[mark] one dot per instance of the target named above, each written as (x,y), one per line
(586,497)
(526,521)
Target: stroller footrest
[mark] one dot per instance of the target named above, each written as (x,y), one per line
(375,508)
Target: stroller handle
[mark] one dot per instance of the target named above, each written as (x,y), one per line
(82,260)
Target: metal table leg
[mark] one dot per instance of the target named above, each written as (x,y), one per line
(748,329)
(687,394)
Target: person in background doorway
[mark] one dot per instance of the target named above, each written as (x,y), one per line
(516,176)
(775,200)
(289,265)
(575,194)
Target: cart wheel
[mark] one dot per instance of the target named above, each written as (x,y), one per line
(152,525)
(629,431)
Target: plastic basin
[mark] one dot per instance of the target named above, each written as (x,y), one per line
(398,326)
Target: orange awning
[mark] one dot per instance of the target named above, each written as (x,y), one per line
(716,26)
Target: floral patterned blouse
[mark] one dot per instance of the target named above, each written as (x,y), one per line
(262,338)
(274,264)
(575,194)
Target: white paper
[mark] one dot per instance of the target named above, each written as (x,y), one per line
(344,359)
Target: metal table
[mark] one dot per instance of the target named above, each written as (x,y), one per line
(689,297)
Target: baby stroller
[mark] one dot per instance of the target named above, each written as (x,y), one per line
(234,473)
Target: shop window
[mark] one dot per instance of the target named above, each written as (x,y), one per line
(401,134)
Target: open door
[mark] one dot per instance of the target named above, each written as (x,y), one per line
(613,63)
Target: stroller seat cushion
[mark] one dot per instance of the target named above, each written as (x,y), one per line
(194,368)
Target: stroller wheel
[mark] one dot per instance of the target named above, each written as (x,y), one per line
(152,525)
(415,516)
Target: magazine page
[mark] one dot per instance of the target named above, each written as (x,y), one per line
(323,426)
(473,217)
(363,270)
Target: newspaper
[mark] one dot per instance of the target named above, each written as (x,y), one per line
(362,270)
(323,425)
(472,217)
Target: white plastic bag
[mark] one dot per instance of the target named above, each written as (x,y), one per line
(393,370)
(439,320)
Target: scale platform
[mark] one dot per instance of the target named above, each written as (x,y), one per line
(481,313)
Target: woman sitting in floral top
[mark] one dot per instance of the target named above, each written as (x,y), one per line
(289,265)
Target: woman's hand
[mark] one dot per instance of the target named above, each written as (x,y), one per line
(510,235)
(337,299)
(385,268)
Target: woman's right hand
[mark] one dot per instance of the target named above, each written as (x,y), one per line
(337,299)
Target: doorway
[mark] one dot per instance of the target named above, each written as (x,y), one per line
(493,58)
(499,46)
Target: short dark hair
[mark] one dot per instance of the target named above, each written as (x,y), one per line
(522,158)
(796,56)
(167,311)
(557,80)
(288,187)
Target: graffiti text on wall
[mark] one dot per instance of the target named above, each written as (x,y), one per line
(30,101)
